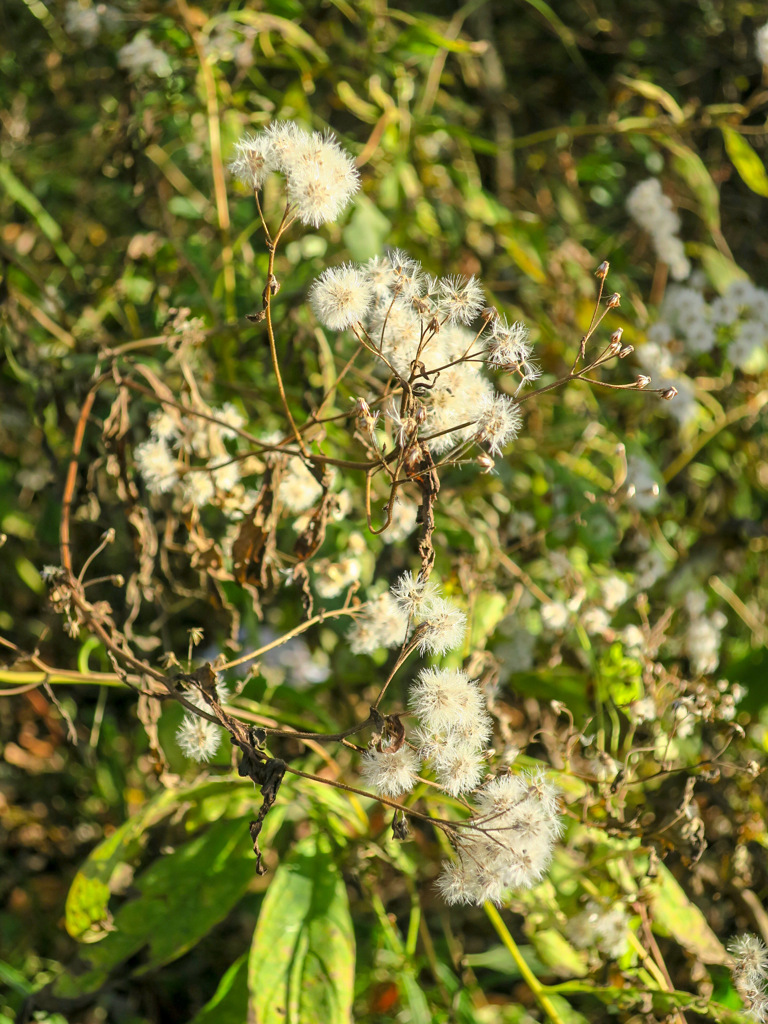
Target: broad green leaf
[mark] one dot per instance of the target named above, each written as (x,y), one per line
(179,898)
(566,1012)
(229,1003)
(302,962)
(675,915)
(745,160)
(86,915)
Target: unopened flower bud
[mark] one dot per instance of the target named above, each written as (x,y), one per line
(421,415)
(602,270)
(613,300)
(615,346)
(642,381)
(362,408)
(627,350)
(486,463)
(669,394)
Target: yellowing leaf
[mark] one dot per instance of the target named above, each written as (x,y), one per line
(302,962)
(675,915)
(654,92)
(746,161)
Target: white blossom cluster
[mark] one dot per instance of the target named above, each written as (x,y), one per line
(320,176)
(186,456)
(594,615)
(655,213)
(141,56)
(749,970)
(690,325)
(508,842)
(413,609)
(86,23)
(420,326)
(601,929)
(702,637)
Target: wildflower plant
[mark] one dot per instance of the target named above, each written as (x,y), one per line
(426,390)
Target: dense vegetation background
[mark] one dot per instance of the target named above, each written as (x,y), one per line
(498,139)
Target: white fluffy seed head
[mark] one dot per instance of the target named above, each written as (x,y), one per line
(460,300)
(446,700)
(443,627)
(197,488)
(321,179)
(459,769)
(413,594)
(381,623)
(198,738)
(498,422)
(750,959)
(157,465)
(390,774)
(341,297)
(508,345)
(298,489)
(255,159)
(409,278)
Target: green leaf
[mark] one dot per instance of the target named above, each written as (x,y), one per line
(745,160)
(367,231)
(487,612)
(229,1003)
(720,269)
(693,171)
(86,914)
(302,962)
(180,897)
(675,915)
(555,951)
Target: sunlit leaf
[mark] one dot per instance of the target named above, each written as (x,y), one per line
(302,960)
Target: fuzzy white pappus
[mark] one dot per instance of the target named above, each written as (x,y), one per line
(507,844)
(341,297)
(390,774)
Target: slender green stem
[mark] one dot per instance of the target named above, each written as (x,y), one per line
(530,978)
(58,677)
